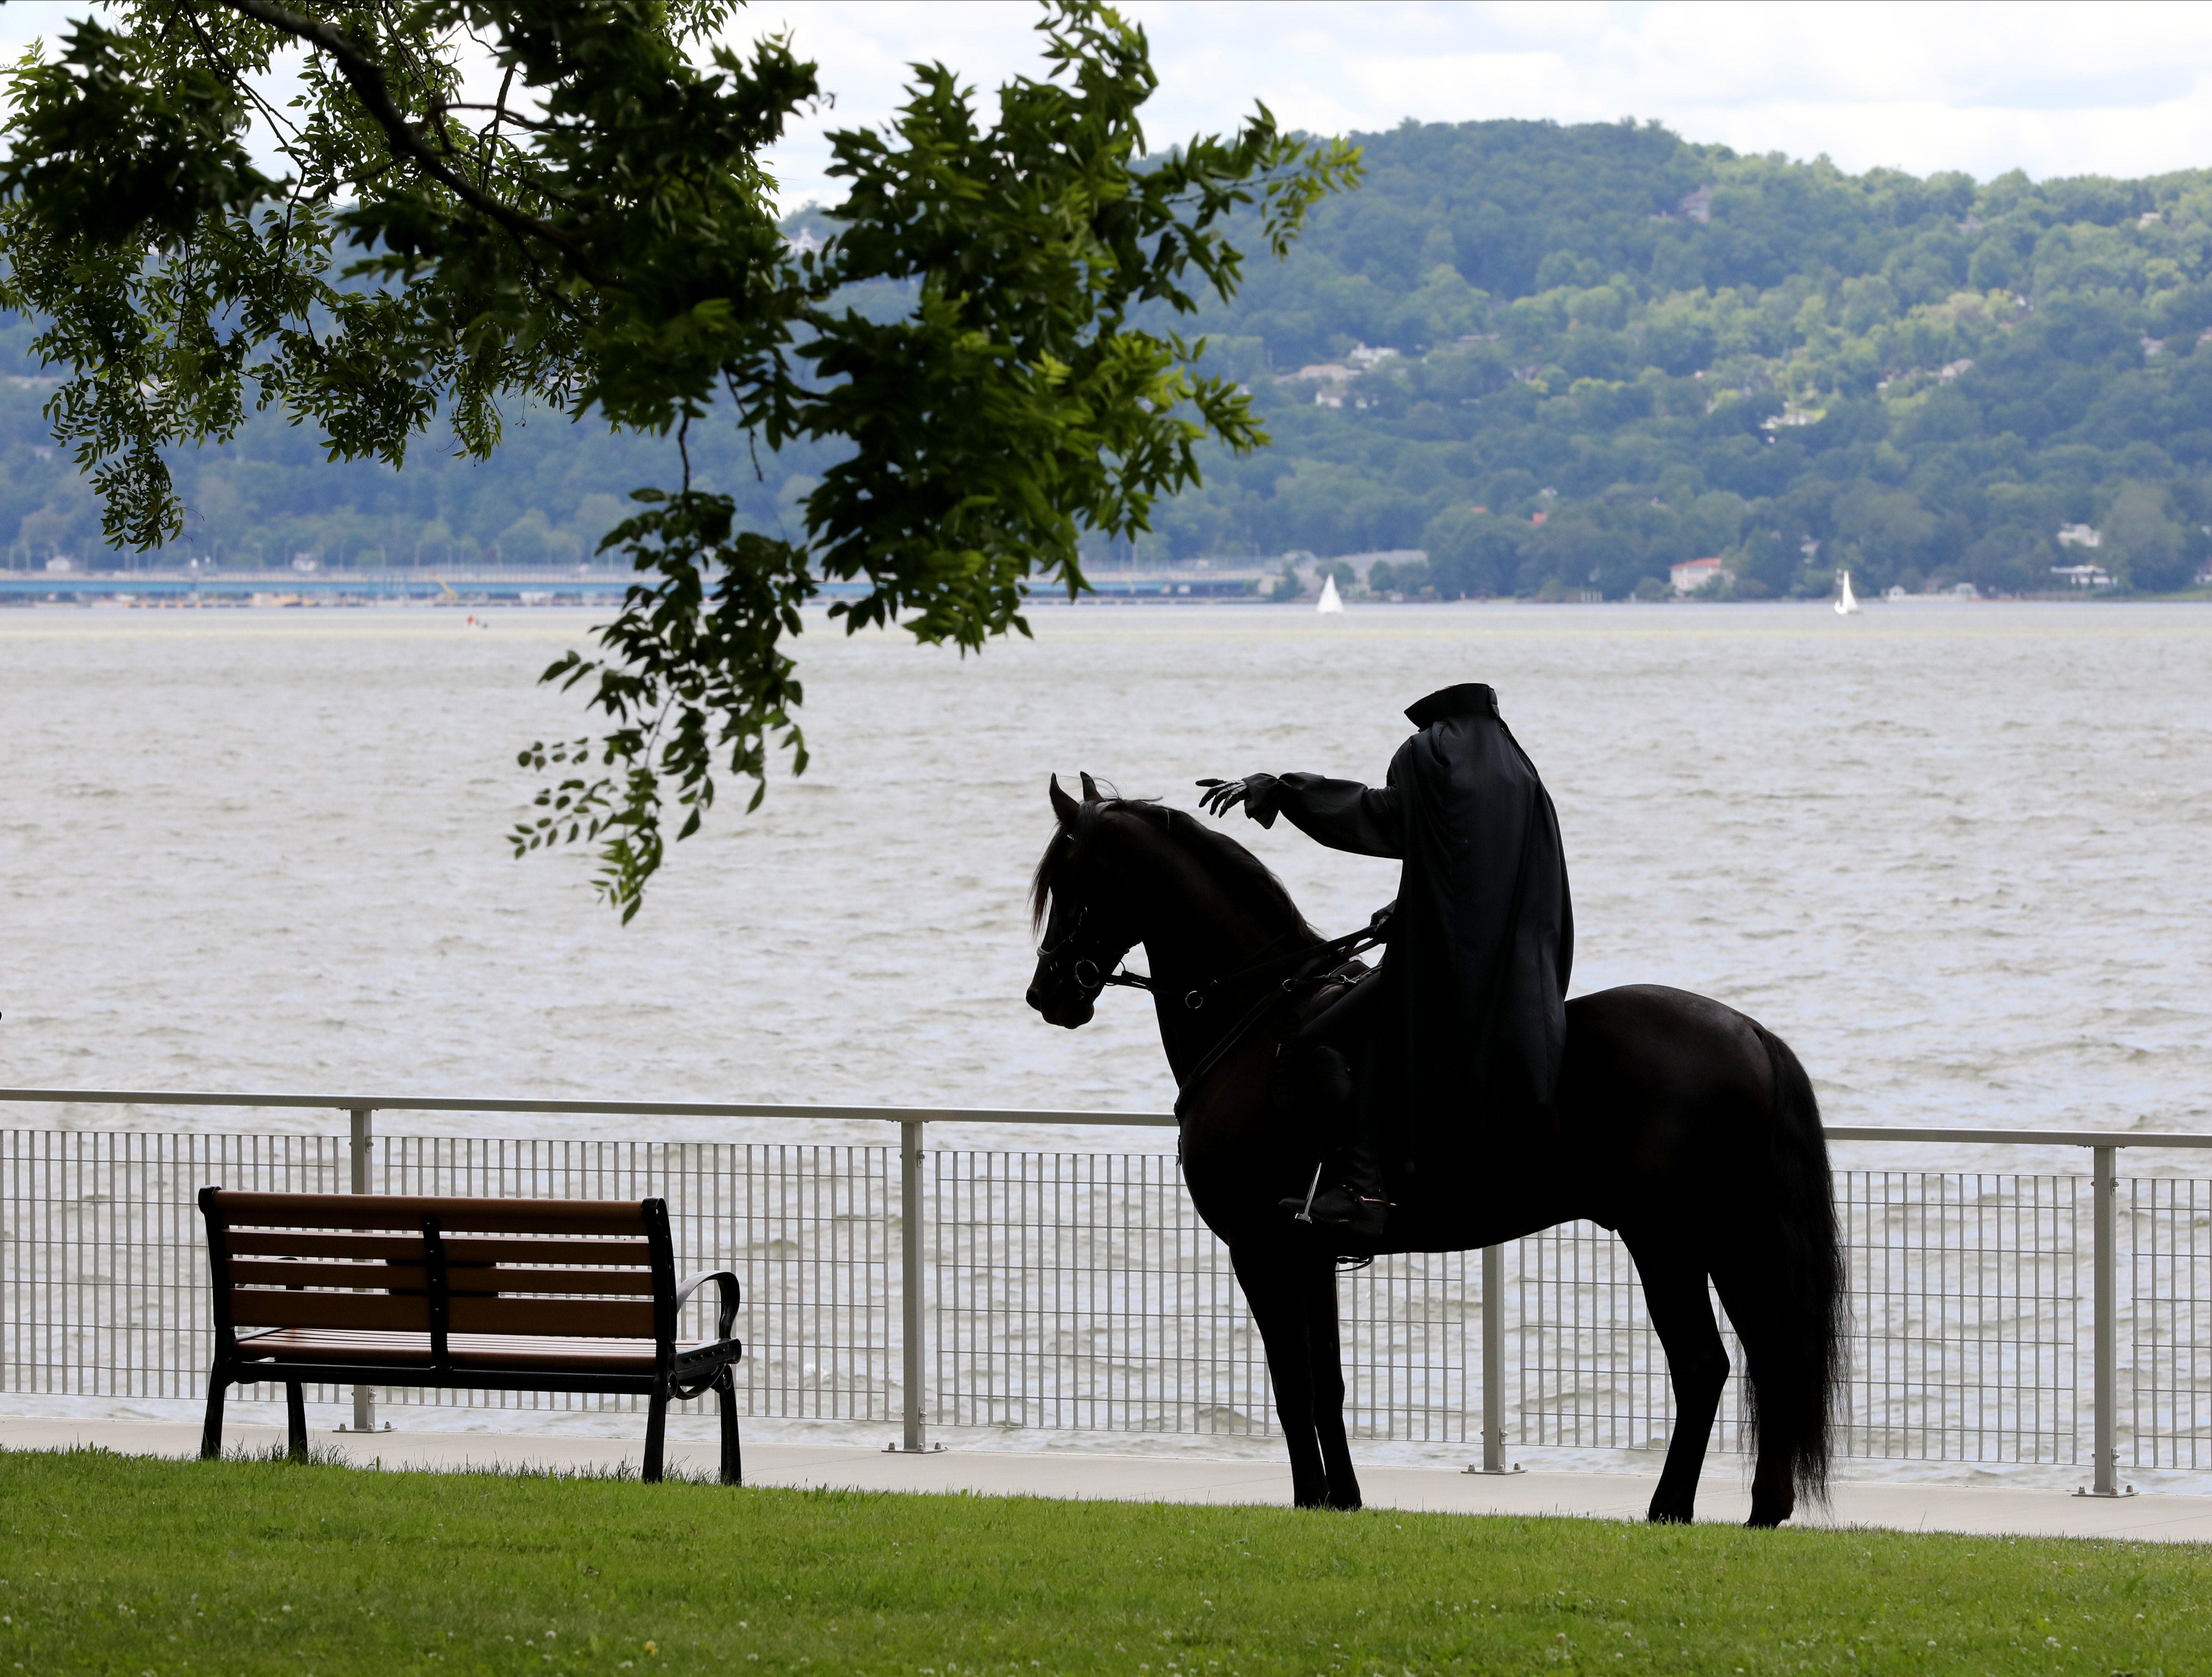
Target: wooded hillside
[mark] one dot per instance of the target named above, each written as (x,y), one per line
(1668,350)
(1672,352)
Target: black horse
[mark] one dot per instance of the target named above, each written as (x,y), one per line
(1680,1123)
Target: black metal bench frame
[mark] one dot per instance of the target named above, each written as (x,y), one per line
(426,1304)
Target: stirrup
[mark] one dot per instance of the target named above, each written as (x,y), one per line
(1365,1215)
(1302,1210)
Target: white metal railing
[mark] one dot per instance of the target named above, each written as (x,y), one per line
(1078,1290)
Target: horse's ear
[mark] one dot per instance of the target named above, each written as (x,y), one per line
(1089,788)
(1062,805)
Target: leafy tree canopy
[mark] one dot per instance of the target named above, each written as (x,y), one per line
(599,238)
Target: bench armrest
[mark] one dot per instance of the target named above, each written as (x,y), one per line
(726,1284)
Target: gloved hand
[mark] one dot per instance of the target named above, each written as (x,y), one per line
(1255,792)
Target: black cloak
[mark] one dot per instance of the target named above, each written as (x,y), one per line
(1463,1039)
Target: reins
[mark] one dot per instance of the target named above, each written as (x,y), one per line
(1085,972)
(1196,1000)
(1329,956)
(1314,965)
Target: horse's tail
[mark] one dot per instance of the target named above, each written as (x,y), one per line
(1795,1385)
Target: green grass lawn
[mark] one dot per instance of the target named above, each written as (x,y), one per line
(115,1564)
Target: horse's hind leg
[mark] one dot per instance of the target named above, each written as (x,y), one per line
(1775,1399)
(1327,1356)
(1682,1315)
(1275,1291)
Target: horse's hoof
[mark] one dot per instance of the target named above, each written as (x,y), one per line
(1350,1505)
(1765,1522)
(1668,1516)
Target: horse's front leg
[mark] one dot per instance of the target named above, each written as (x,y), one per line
(1328,1366)
(1276,1289)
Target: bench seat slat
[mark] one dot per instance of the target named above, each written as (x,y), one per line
(407,1210)
(408,1249)
(401,1351)
(461,1278)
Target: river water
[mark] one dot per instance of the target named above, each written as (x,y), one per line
(1954,852)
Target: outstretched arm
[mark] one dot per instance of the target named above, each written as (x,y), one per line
(1343,815)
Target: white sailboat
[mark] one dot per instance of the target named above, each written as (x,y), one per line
(1330,599)
(1846,602)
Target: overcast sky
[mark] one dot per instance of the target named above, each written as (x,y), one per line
(2054,88)
(2107,89)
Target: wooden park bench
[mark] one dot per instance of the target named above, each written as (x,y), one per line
(488,1295)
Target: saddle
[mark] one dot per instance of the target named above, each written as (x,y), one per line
(1311,1081)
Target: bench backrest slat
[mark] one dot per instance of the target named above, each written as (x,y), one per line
(615,1318)
(399,1276)
(254,1307)
(442,1266)
(455,1215)
(408,1249)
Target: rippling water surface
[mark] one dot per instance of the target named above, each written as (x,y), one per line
(1954,852)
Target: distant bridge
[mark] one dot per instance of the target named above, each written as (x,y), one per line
(500,587)
(503,587)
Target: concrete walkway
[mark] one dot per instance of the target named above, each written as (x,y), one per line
(2156,1518)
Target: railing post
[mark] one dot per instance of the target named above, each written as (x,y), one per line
(1493,1359)
(910,1275)
(2104,1190)
(364,1397)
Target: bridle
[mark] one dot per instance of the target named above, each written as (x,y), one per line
(1087,970)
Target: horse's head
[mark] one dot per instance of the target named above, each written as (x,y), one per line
(1124,871)
(1076,899)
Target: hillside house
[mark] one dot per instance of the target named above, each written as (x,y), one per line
(1693,574)
(2084,576)
(1329,379)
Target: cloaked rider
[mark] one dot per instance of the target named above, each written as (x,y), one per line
(1461,1027)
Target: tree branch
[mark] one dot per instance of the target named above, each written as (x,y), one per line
(492,139)
(367,79)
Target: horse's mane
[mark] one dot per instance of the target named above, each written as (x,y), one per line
(1241,875)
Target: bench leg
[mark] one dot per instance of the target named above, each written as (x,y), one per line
(295,1420)
(211,1432)
(726,1389)
(656,1434)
